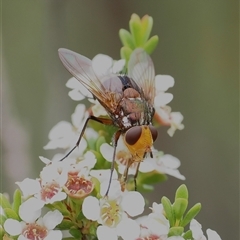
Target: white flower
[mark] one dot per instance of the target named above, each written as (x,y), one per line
(43,226)
(78,92)
(65,135)
(113,212)
(165,164)
(163,113)
(197,232)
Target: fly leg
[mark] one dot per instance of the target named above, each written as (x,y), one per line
(115,140)
(135,176)
(105,121)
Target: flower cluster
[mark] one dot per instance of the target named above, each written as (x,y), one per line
(81,196)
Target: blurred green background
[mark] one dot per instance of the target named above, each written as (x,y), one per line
(198,47)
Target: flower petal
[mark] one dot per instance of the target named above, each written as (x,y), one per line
(52,219)
(128,229)
(133,203)
(30,210)
(13,227)
(163,82)
(91,208)
(54,234)
(104,233)
(212,235)
(29,187)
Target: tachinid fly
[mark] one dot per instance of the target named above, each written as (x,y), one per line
(128,99)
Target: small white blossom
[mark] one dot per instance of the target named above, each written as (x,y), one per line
(65,135)
(197,232)
(30,230)
(113,211)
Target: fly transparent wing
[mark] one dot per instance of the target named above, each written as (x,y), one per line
(104,88)
(141,70)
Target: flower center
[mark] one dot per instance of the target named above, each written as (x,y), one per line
(49,190)
(111,213)
(78,187)
(33,231)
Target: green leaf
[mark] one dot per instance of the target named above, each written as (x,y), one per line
(2,219)
(151,44)
(17,200)
(2,232)
(99,142)
(75,233)
(147,23)
(188,235)
(182,192)
(4,202)
(125,53)
(191,214)
(151,177)
(65,224)
(11,214)
(168,210)
(179,207)
(135,29)
(175,231)
(126,38)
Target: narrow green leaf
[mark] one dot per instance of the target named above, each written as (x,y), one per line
(17,200)
(2,219)
(11,214)
(135,28)
(4,202)
(168,210)
(179,207)
(191,214)
(175,231)
(125,53)
(65,224)
(188,235)
(151,44)
(75,233)
(126,38)
(147,24)
(182,192)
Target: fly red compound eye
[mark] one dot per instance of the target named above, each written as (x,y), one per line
(133,135)
(153,132)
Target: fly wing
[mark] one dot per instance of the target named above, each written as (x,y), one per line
(107,89)
(141,70)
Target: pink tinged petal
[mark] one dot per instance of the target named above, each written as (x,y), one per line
(133,203)
(91,208)
(101,64)
(163,82)
(29,187)
(30,210)
(54,234)
(162,99)
(13,227)
(212,235)
(128,229)
(105,233)
(107,151)
(52,219)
